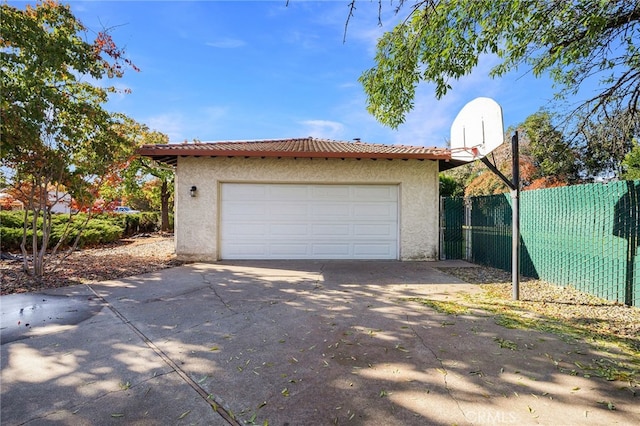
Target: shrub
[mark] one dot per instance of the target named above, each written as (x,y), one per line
(99,230)
(10,238)
(11,219)
(149,221)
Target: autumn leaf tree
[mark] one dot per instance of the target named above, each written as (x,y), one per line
(141,178)
(56,136)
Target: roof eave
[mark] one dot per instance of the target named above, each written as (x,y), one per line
(161,153)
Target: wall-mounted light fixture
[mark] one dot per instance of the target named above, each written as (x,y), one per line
(193,190)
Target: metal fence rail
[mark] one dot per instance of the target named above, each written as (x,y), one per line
(586,236)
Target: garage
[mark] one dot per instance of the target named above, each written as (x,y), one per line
(308,221)
(304,198)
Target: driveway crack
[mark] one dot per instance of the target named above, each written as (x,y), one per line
(215,291)
(442,366)
(213,402)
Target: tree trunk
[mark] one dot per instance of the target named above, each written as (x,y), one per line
(23,243)
(164,207)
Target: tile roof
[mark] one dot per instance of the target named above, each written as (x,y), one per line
(293,148)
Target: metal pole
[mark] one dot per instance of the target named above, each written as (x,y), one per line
(515,197)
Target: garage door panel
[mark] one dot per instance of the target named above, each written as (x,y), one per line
(380,193)
(288,211)
(246,251)
(247,192)
(338,251)
(288,230)
(249,209)
(282,221)
(375,211)
(249,230)
(320,230)
(330,211)
(366,250)
(331,192)
(374,230)
(288,192)
(290,250)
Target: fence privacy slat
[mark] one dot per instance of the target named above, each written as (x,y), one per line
(585,236)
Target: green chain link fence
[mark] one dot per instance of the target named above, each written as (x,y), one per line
(585,236)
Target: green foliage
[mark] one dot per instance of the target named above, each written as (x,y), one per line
(441,41)
(631,163)
(100,232)
(550,152)
(450,187)
(10,237)
(606,140)
(102,229)
(12,219)
(137,223)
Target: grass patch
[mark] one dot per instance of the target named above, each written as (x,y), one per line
(609,328)
(448,308)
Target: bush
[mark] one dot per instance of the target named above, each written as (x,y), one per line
(137,223)
(10,238)
(11,219)
(99,230)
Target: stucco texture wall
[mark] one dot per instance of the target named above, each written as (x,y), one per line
(196,222)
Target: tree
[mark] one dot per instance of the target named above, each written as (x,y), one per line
(550,153)
(573,41)
(136,177)
(605,140)
(481,181)
(631,163)
(450,187)
(56,137)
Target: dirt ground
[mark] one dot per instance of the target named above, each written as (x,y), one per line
(128,257)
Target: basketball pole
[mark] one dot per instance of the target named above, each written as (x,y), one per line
(514,186)
(515,218)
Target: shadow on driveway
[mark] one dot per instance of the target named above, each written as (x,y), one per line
(304,342)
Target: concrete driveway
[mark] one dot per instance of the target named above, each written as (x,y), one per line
(287,343)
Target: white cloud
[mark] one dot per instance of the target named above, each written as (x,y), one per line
(171,124)
(201,124)
(226,43)
(323,129)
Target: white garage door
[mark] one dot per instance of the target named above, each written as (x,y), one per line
(281,221)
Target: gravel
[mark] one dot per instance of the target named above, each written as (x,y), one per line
(565,304)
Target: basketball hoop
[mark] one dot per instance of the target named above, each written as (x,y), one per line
(477,130)
(465,153)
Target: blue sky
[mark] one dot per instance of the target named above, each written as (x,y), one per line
(244,70)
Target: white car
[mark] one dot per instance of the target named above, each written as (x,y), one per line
(125,210)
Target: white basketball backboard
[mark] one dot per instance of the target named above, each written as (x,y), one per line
(477,130)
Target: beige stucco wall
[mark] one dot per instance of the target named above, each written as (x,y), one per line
(196,221)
